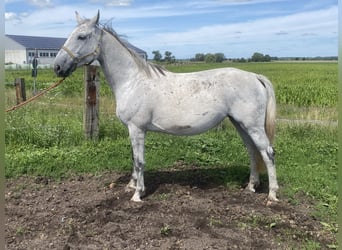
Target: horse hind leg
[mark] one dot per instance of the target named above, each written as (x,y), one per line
(267,153)
(254,179)
(268,157)
(259,150)
(254,156)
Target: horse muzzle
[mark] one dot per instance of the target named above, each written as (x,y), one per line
(62,71)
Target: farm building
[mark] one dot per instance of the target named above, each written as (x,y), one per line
(22,49)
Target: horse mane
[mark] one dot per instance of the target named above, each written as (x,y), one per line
(142,64)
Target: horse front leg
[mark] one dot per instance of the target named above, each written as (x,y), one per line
(137,137)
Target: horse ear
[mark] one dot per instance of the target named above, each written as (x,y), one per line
(78,18)
(95,19)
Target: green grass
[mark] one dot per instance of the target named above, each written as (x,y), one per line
(46,137)
(307,158)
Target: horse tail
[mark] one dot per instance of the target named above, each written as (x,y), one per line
(270,118)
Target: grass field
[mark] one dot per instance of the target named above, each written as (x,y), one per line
(46,137)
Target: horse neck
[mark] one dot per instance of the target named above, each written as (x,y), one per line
(118,64)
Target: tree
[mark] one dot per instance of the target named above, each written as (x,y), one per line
(168,57)
(209,58)
(157,56)
(199,57)
(219,57)
(257,57)
(267,58)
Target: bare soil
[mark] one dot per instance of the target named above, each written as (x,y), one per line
(183,209)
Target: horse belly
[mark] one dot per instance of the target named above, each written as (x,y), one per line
(186,122)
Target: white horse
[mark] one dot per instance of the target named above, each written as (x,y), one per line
(149,98)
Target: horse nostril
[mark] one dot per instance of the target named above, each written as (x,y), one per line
(57,68)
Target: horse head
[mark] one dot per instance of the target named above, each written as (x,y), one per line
(82,46)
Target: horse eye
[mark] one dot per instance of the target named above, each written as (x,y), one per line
(82,37)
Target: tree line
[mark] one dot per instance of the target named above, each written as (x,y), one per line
(210,57)
(220,57)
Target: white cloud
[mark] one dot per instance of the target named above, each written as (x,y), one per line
(160,9)
(11,1)
(111,3)
(41,3)
(248,1)
(42,22)
(216,3)
(14,17)
(10,16)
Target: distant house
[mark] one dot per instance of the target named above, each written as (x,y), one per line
(22,49)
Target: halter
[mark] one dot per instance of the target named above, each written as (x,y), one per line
(79,58)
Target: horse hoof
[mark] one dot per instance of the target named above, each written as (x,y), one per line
(250,187)
(136,198)
(272,197)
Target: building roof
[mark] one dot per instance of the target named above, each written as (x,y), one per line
(38,42)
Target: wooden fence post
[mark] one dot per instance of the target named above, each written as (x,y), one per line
(91,104)
(20,91)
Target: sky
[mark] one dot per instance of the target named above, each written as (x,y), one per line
(237,28)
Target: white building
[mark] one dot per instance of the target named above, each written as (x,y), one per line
(22,49)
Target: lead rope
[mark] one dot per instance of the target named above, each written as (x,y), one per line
(36,96)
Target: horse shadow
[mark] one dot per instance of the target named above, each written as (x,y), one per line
(200,177)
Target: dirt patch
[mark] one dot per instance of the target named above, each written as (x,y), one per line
(183,209)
